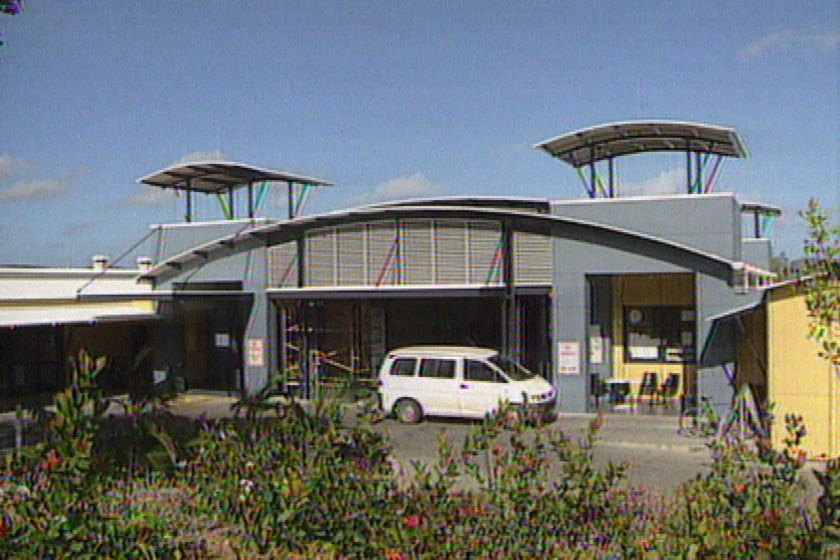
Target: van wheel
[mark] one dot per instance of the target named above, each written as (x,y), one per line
(408,411)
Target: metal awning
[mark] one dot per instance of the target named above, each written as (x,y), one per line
(589,145)
(75,313)
(226,177)
(213,177)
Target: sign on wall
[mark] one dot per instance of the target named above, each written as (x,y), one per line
(568,358)
(255,352)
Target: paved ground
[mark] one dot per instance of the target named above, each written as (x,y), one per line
(658,456)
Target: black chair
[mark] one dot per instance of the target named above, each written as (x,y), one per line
(669,389)
(649,389)
(597,388)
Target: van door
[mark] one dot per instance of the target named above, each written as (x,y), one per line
(436,386)
(482,388)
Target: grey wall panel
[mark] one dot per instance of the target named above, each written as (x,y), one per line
(711,223)
(757,252)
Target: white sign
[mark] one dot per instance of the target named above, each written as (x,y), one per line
(222,340)
(255,352)
(568,358)
(596,350)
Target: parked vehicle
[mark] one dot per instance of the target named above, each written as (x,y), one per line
(458,381)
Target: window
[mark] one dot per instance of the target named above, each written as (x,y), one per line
(659,334)
(479,371)
(403,367)
(443,369)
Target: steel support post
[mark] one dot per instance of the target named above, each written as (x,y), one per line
(509,291)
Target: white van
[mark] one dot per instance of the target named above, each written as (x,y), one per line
(461,381)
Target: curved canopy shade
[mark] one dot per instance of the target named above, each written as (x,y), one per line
(589,145)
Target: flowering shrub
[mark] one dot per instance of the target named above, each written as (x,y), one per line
(288,479)
(750,504)
(51,498)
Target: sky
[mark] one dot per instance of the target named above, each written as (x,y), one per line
(394,100)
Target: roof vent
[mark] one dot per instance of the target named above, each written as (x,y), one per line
(100,262)
(144,264)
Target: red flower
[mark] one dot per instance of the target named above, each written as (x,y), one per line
(412,521)
(5,526)
(52,462)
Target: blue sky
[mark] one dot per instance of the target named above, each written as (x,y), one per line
(391,100)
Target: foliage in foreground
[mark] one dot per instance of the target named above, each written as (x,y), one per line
(281,479)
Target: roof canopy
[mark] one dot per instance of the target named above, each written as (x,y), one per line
(226,177)
(221,176)
(606,141)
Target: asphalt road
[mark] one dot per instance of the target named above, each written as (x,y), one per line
(658,458)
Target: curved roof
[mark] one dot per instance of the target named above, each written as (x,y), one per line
(589,145)
(220,176)
(517,203)
(523,221)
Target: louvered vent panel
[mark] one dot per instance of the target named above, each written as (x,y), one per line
(417,236)
(351,256)
(282,266)
(482,243)
(451,252)
(380,241)
(319,258)
(532,258)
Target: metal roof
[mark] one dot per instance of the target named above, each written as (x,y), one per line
(531,222)
(75,313)
(589,145)
(221,176)
(761,208)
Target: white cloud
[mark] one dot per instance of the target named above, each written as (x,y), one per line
(212,155)
(151,197)
(667,182)
(10,165)
(44,189)
(823,40)
(400,188)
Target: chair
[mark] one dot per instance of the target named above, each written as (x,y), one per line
(597,388)
(669,389)
(619,390)
(649,389)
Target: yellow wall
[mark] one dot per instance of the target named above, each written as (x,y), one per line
(649,289)
(751,352)
(799,380)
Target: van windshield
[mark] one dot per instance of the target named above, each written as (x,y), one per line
(511,368)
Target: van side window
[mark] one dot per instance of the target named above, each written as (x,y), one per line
(443,369)
(403,367)
(479,371)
